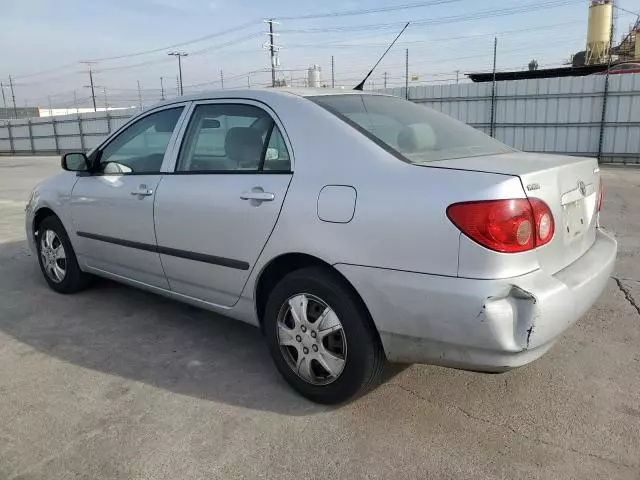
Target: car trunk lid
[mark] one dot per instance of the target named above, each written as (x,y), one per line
(568,185)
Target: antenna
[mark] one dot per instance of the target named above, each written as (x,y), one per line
(360,86)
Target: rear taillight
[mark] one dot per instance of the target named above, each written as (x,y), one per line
(600,195)
(508,226)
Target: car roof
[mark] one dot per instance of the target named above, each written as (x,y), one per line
(263,94)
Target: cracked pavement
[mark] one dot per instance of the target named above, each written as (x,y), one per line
(117,383)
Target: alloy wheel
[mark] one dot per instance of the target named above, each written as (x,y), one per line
(54,258)
(312,339)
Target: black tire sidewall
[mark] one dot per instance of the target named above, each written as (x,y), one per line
(72,281)
(361,342)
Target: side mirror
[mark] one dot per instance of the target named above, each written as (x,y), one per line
(75,162)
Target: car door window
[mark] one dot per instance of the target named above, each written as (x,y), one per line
(277,156)
(140,147)
(231,137)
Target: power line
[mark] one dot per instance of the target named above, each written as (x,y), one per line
(496,12)
(625,10)
(151,51)
(364,11)
(438,39)
(180,44)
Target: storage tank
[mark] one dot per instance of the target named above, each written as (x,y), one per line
(314,76)
(599,31)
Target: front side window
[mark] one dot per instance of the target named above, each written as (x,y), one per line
(140,147)
(412,132)
(232,137)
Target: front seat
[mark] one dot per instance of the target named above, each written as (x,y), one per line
(244,146)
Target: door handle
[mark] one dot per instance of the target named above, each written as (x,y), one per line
(258,196)
(142,191)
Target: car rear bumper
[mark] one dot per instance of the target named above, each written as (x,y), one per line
(484,325)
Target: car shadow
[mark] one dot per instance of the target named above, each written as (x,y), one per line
(144,337)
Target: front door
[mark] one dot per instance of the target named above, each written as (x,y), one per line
(112,208)
(215,213)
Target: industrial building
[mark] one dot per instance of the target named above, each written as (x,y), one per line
(600,49)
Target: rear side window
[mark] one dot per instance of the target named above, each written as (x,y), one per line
(412,132)
(232,138)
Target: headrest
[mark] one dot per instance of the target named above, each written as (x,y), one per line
(417,138)
(243,144)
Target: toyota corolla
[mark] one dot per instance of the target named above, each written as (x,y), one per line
(351,228)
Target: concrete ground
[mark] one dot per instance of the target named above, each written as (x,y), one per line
(117,383)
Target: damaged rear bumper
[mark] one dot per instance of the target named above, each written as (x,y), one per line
(484,325)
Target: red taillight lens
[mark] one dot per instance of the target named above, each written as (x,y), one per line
(600,195)
(508,226)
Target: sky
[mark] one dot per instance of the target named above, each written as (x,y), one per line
(45,41)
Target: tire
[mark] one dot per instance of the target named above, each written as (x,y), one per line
(354,344)
(51,236)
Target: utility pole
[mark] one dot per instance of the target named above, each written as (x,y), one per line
(75,102)
(406,73)
(177,86)
(139,94)
(13,98)
(106,102)
(273,49)
(179,55)
(161,89)
(386,76)
(91,85)
(272,52)
(50,107)
(333,77)
(4,100)
(457,77)
(221,80)
(493,88)
(93,93)
(249,80)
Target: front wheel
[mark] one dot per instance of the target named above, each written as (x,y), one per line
(321,337)
(57,259)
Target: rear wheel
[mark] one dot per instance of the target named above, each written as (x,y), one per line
(57,259)
(321,337)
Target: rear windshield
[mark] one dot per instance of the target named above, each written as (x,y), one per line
(412,132)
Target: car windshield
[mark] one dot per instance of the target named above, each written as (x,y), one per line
(414,133)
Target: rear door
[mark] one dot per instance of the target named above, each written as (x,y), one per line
(216,211)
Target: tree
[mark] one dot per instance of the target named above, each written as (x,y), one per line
(533,65)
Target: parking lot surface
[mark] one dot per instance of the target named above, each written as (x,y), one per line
(118,383)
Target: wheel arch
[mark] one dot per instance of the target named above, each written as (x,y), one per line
(286,263)
(40,214)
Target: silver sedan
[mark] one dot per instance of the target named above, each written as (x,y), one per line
(353,229)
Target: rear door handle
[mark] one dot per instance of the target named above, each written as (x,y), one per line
(258,196)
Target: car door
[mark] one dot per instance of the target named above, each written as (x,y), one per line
(112,207)
(215,213)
